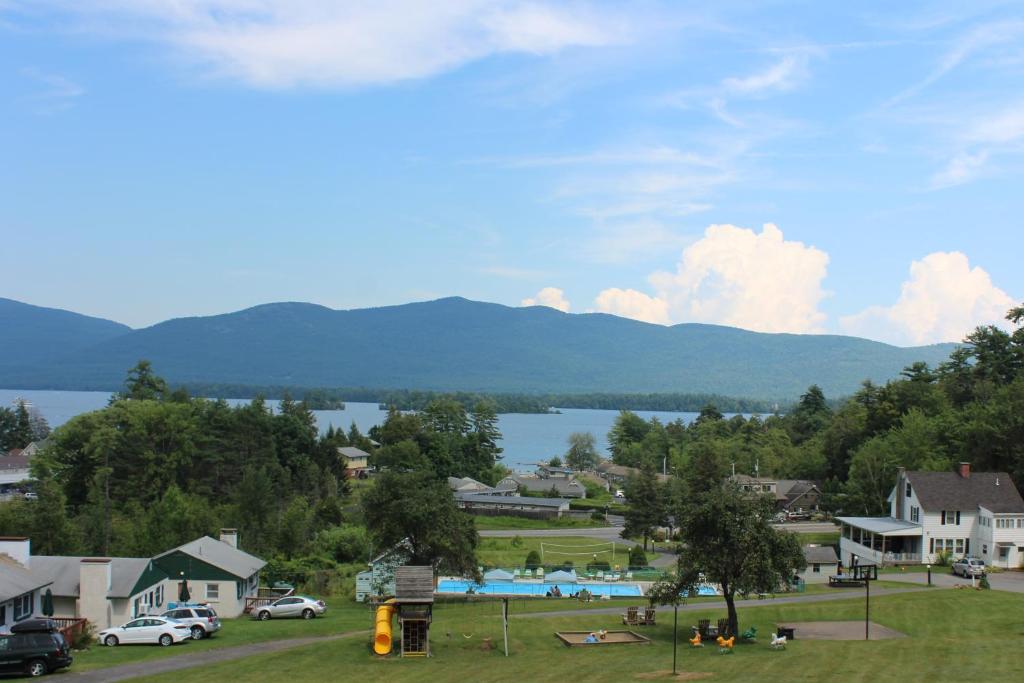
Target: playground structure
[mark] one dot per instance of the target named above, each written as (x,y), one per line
(413,602)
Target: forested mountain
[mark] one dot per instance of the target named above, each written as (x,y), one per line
(33,334)
(456,344)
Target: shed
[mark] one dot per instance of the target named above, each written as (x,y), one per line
(414,594)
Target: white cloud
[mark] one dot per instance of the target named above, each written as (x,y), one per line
(734,276)
(629,303)
(784,75)
(757,281)
(990,135)
(549,296)
(943,300)
(56,94)
(289,43)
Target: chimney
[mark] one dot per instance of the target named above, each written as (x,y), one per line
(229,536)
(18,548)
(901,491)
(93,588)
(964,470)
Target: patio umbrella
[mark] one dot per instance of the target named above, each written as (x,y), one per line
(48,603)
(183,594)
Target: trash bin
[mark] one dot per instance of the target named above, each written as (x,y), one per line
(788,632)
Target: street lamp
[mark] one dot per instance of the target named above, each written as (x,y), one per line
(929,575)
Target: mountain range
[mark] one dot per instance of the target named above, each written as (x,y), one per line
(445,345)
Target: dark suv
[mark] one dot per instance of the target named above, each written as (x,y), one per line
(34,647)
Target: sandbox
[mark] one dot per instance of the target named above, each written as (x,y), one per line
(577,638)
(840,630)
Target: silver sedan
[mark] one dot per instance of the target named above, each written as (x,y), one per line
(292,606)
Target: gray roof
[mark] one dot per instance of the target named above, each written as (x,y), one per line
(220,555)
(497,575)
(14,462)
(467,484)
(540,485)
(820,554)
(353,452)
(513,500)
(15,580)
(949,491)
(885,526)
(64,573)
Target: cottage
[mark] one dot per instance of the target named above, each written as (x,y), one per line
(799,494)
(111,590)
(821,561)
(469,485)
(949,513)
(618,475)
(356,462)
(14,469)
(21,592)
(546,471)
(565,488)
(512,505)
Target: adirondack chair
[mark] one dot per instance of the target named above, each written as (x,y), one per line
(629,576)
(600,576)
(528,574)
(750,634)
(540,572)
(723,628)
(703,626)
(630,617)
(650,617)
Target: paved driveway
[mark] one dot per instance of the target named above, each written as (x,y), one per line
(941,576)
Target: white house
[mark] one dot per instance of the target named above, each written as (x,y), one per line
(21,592)
(111,590)
(959,513)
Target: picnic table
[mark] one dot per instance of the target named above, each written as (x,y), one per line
(844,581)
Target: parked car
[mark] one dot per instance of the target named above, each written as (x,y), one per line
(969,566)
(34,647)
(292,606)
(146,630)
(202,620)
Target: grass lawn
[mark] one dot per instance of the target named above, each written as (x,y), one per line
(966,634)
(818,537)
(341,616)
(499,522)
(500,552)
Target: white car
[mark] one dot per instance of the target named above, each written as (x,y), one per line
(292,606)
(146,631)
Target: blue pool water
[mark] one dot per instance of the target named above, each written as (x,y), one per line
(510,588)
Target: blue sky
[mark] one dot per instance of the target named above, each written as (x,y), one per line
(801,167)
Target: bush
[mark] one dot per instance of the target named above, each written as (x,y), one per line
(517,541)
(942,558)
(346,543)
(984,582)
(597,515)
(637,557)
(599,566)
(532,559)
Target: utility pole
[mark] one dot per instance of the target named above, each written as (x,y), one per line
(675,634)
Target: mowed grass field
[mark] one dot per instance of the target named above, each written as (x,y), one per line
(951,634)
(501,552)
(504,522)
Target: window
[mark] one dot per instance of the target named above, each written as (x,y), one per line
(816,568)
(213,591)
(984,549)
(915,514)
(950,516)
(22,606)
(160,595)
(960,546)
(908,489)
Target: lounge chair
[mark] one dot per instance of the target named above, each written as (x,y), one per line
(540,572)
(600,576)
(515,574)
(527,573)
(629,576)
(630,617)
(704,627)
(650,617)
(723,628)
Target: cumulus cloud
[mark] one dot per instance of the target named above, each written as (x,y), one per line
(287,43)
(944,299)
(629,303)
(734,276)
(757,281)
(552,297)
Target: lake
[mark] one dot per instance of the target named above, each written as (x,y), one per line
(528,438)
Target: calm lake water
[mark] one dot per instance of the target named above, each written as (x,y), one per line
(528,438)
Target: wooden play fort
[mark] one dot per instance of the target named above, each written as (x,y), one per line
(413,602)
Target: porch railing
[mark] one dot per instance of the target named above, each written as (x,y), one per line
(70,627)
(264,596)
(878,557)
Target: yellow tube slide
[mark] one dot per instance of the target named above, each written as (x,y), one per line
(382,629)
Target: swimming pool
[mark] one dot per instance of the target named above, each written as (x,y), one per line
(513,588)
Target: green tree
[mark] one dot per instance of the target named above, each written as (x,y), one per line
(294,530)
(418,509)
(629,429)
(582,454)
(532,560)
(729,540)
(142,384)
(8,429)
(647,505)
(637,557)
